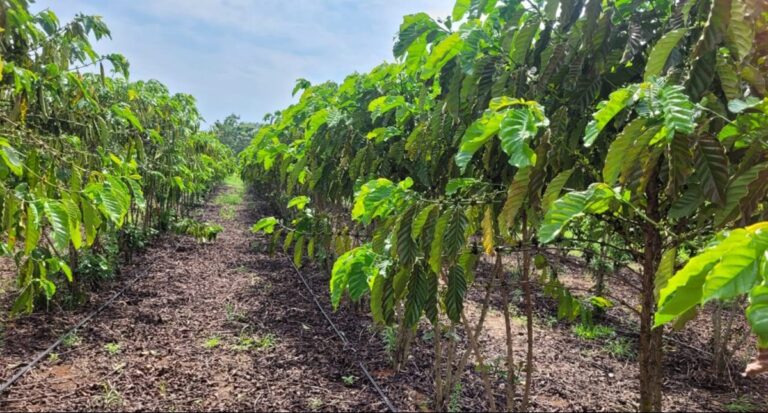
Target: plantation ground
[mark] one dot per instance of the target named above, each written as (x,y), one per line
(225,326)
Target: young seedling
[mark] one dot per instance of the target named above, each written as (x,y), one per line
(112,348)
(212,342)
(349,380)
(71,340)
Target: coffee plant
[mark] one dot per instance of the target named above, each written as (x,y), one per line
(525,130)
(86,155)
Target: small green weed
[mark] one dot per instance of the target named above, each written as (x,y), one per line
(743,405)
(111,397)
(71,340)
(592,332)
(227,212)
(112,348)
(315,404)
(349,380)
(620,348)
(53,358)
(454,403)
(212,342)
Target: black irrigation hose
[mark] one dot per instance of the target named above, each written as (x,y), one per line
(344,340)
(24,370)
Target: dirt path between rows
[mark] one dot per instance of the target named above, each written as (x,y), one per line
(227,327)
(215,326)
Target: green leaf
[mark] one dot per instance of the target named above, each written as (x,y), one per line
(607,110)
(523,41)
(436,249)
(441,54)
(740,37)
(421,220)
(265,224)
(454,293)
(300,202)
(456,184)
(11,158)
(554,188)
(516,195)
(406,246)
(757,312)
(712,169)
(352,271)
(455,234)
(384,104)
(518,127)
(418,295)
(75,227)
(298,251)
(33,230)
(665,271)
(460,9)
(59,219)
(314,123)
(92,221)
(413,27)
(476,136)
(659,55)
(738,190)
(737,270)
(594,200)
(123,111)
(616,158)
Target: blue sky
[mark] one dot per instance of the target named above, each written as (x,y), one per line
(243,56)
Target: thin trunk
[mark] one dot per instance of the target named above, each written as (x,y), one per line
(475,347)
(651,351)
(510,385)
(439,400)
(528,318)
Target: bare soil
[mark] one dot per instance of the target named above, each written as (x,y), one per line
(224,326)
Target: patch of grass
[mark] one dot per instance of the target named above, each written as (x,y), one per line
(212,342)
(349,380)
(112,348)
(315,404)
(234,314)
(454,403)
(71,340)
(227,212)
(743,405)
(234,195)
(620,348)
(111,397)
(248,343)
(592,332)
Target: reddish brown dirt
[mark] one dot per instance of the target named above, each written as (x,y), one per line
(190,293)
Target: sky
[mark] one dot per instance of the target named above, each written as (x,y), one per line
(244,56)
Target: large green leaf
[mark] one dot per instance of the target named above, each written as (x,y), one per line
(740,36)
(607,110)
(516,195)
(454,293)
(596,199)
(476,136)
(58,217)
(441,54)
(518,127)
(712,169)
(616,158)
(738,189)
(659,55)
(554,188)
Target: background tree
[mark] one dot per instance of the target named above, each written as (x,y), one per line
(234,133)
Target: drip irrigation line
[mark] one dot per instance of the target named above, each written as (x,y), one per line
(343,339)
(24,370)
